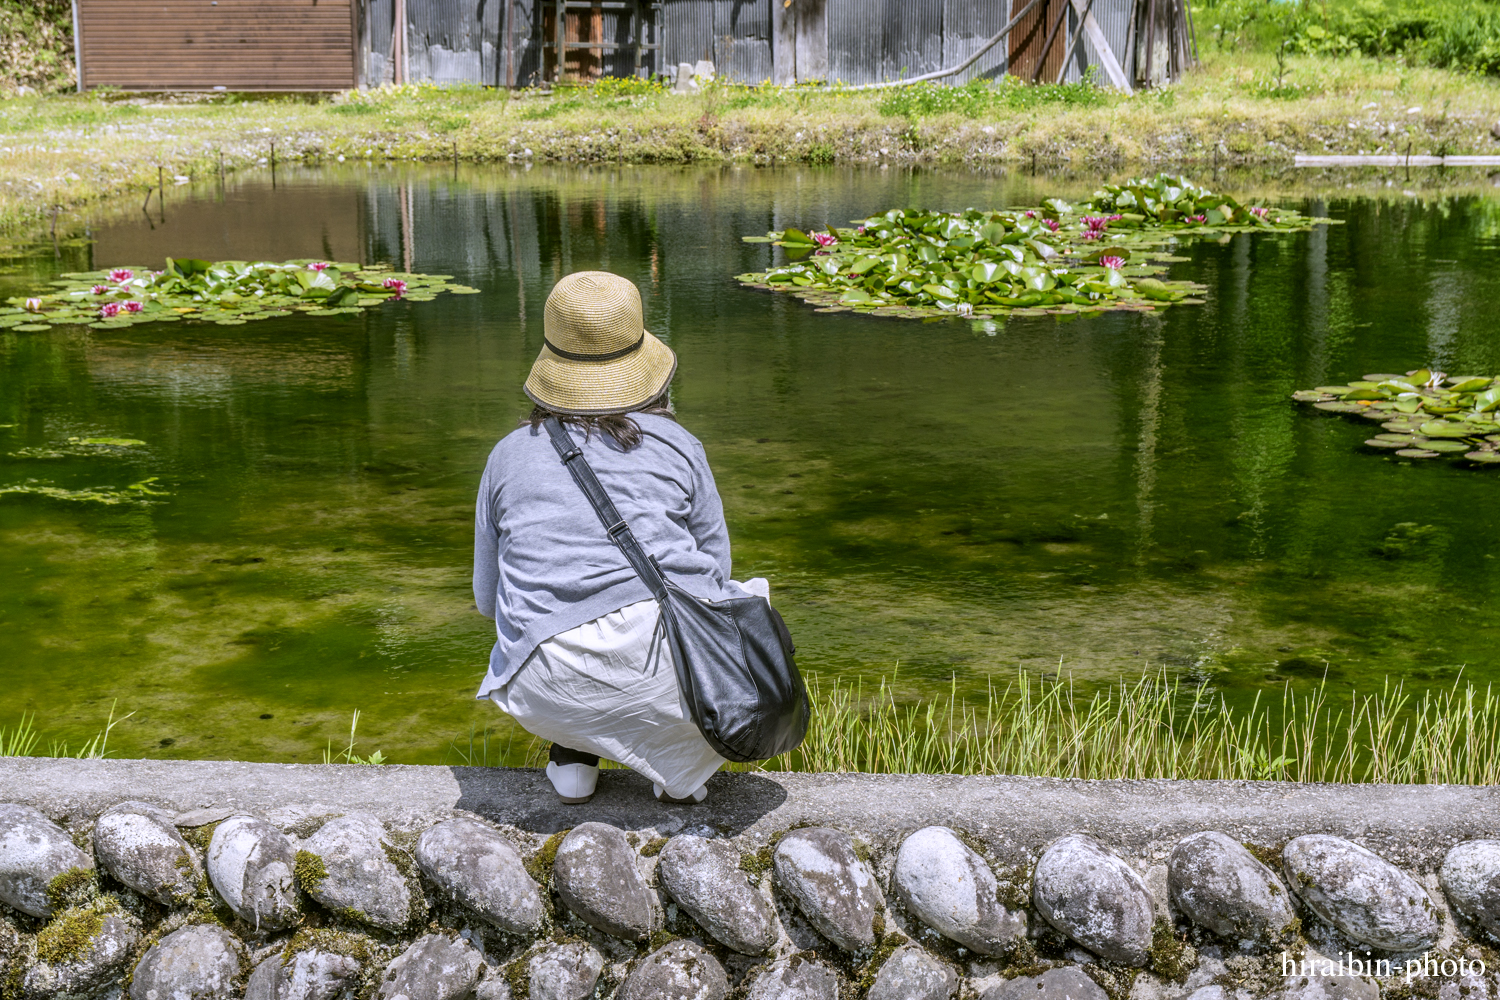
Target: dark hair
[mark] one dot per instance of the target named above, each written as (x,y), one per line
(620,426)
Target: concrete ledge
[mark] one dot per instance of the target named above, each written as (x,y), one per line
(1411,825)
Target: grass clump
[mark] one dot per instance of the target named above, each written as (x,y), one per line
(1157,726)
(653,847)
(985,97)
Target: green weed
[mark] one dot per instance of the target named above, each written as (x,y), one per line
(1157,727)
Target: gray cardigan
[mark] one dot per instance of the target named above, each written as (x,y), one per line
(542,562)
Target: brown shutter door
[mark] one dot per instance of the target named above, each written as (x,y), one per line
(202,44)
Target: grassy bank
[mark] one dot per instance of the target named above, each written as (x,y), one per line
(63,153)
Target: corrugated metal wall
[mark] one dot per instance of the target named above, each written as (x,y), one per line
(200,44)
(867,41)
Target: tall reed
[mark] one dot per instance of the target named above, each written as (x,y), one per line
(1156,726)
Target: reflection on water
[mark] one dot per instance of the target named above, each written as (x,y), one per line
(1096,495)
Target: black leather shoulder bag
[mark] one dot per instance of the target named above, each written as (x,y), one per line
(734,658)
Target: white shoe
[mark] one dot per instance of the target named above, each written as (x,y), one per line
(574,782)
(696,796)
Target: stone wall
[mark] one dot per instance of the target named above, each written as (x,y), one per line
(204,880)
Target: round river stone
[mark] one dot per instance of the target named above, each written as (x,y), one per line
(597,878)
(137,844)
(1216,883)
(818,868)
(478,868)
(679,970)
(361,881)
(795,978)
(62,971)
(912,974)
(310,975)
(951,889)
(33,851)
(1471,879)
(1095,898)
(1363,895)
(251,863)
(200,962)
(1066,983)
(564,972)
(435,967)
(704,877)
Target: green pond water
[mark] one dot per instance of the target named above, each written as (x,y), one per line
(1098,496)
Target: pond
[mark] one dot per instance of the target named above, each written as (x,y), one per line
(1095,496)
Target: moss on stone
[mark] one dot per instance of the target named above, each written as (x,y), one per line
(757,864)
(309,872)
(71,888)
(69,935)
(518,977)
(885,947)
(200,836)
(660,939)
(539,865)
(1169,953)
(1268,856)
(653,847)
(350,945)
(862,850)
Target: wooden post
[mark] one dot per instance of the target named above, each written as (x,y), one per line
(783,44)
(398,44)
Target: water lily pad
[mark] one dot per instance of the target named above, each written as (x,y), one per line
(1484,457)
(1378,443)
(1433,444)
(1446,429)
(225,292)
(30,327)
(1060,258)
(1417,453)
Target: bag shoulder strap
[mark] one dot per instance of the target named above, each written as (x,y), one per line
(615,526)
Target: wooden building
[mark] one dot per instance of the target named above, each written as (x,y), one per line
(288,45)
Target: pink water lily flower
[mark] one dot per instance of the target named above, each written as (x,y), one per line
(121,274)
(1200,219)
(318,266)
(1112,262)
(101,289)
(860,231)
(1029,214)
(109,310)
(34,305)
(1260,213)
(396,285)
(824,239)
(1052,224)
(132,307)
(1091,234)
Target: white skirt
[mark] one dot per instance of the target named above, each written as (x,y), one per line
(609,687)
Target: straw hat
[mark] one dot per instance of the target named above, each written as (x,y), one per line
(599,358)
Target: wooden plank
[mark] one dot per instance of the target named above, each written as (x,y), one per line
(783,44)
